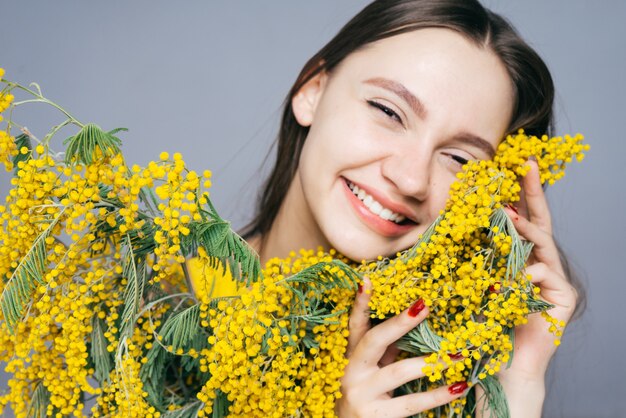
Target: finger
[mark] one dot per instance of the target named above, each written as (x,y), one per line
(359,321)
(555,288)
(544,249)
(374,343)
(390,356)
(535,198)
(400,372)
(408,405)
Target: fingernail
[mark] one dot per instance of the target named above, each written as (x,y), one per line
(513,208)
(532,158)
(360,289)
(492,288)
(416,308)
(456,356)
(457,388)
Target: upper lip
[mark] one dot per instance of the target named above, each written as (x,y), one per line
(386,202)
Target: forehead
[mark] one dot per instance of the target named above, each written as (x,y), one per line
(457,80)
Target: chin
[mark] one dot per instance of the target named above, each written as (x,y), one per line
(365,246)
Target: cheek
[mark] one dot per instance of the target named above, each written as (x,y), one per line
(341,143)
(440,192)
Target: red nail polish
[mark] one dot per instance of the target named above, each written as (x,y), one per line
(492,288)
(513,208)
(456,356)
(457,388)
(416,308)
(360,289)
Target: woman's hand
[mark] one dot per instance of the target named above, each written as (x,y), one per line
(523,382)
(372,372)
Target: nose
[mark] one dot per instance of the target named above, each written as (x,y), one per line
(409,171)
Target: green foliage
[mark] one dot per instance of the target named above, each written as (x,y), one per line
(496,405)
(82,146)
(320,278)
(310,287)
(224,246)
(421,340)
(21,141)
(18,291)
(135,273)
(220,405)
(99,355)
(189,410)
(537,305)
(39,402)
(152,373)
(520,249)
(182,327)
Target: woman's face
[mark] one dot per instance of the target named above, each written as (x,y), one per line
(389,129)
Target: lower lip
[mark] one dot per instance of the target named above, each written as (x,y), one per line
(375,222)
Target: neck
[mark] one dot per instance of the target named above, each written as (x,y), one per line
(293,228)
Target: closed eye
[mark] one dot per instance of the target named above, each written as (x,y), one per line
(455,161)
(390,113)
(459,159)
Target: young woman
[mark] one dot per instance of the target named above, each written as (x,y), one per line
(373,132)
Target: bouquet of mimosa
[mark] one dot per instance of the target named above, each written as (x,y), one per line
(100,317)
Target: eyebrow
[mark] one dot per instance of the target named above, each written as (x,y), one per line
(477,142)
(420,110)
(399,90)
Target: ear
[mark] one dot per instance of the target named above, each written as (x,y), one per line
(305,101)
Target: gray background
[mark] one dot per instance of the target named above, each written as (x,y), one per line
(207,79)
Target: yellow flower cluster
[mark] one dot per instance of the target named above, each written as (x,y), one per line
(258,359)
(108,314)
(57,326)
(468,267)
(124,397)
(95,206)
(181,205)
(8,149)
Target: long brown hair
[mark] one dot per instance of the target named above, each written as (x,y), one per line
(532,83)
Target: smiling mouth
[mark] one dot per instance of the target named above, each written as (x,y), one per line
(376,208)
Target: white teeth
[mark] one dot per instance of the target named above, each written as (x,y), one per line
(374,206)
(385,214)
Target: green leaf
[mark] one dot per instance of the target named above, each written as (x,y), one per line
(189,410)
(182,327)
(82,146)
(21,141)
(134,271)
(152,373)
(29,272)
(496,404)
(420,340)
(537,305)
(224,246)
(520,249)
(311,287)
(39,402)
(103,363)
(220,404)
(116,130)
(323,277)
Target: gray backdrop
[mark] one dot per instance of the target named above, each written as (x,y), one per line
(207,79)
